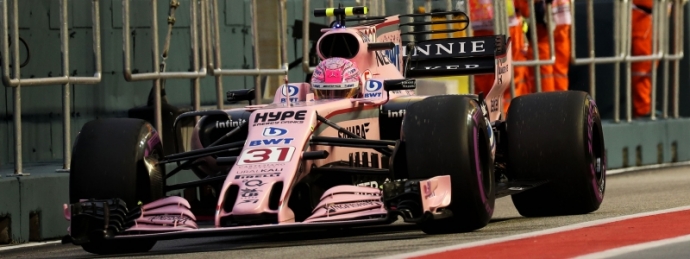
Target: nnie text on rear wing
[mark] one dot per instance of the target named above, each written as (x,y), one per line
(454,56)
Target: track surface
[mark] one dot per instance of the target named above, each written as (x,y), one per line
(626,194)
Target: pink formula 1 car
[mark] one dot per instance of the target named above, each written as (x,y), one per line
(353,147)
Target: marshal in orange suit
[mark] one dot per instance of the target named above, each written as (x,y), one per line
(553,77)
(482,25)
(641,46)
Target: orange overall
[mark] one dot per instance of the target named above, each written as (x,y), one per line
(482,24)
(561,41)
(554,77)
(641,46)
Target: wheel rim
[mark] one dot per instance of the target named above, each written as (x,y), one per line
(598,162)
(596,150)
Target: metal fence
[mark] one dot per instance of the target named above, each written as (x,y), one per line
(16,82)
(206,51)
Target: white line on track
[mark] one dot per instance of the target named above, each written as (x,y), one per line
(634,248)
(11,247)
(646,167)
(534,234)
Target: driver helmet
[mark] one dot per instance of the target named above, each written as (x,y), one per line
(335,78)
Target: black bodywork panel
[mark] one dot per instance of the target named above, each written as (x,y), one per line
(391,116)
(212,127)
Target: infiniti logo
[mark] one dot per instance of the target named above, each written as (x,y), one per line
(274,132)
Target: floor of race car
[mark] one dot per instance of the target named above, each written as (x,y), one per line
(207,229)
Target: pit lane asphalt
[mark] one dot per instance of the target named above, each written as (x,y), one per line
(628,193)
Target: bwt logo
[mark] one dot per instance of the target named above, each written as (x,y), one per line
(290,91)
(372,87)
(273,141)
(274,132)
(393,55)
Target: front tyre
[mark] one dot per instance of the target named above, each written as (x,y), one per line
(115,158)
(449,135)
(557,137)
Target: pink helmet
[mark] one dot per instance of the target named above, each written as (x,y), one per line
(335,78)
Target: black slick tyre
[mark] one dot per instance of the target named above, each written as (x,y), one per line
(116,158)
(447,135)
(557,137)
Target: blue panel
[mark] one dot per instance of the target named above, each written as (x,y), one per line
(44,47)
(294,47)
(54,14)
(8,136)
(179,55)
(5,137)
(9,204)
(235,12)
(27,11)
(679,133)
(233,38)
(5,102)
(647,136)
(81,53)
(249,81)
(48,201)
(247,10)
(140,13)
(111,39)
(80,13)
(684,65)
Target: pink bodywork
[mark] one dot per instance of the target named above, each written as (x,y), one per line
(435,193)
(167,214)
(283,161)
(279,134)
(348,202)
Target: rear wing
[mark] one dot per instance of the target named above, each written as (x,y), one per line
(465,56)
(460,56)
(454,56)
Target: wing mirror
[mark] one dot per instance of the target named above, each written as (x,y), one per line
(399,84)
(240,95)
(380,46)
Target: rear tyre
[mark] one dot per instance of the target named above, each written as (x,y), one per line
(447,135)
(116,158)
(557,136)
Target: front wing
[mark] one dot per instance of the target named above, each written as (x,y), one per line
(171,217)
